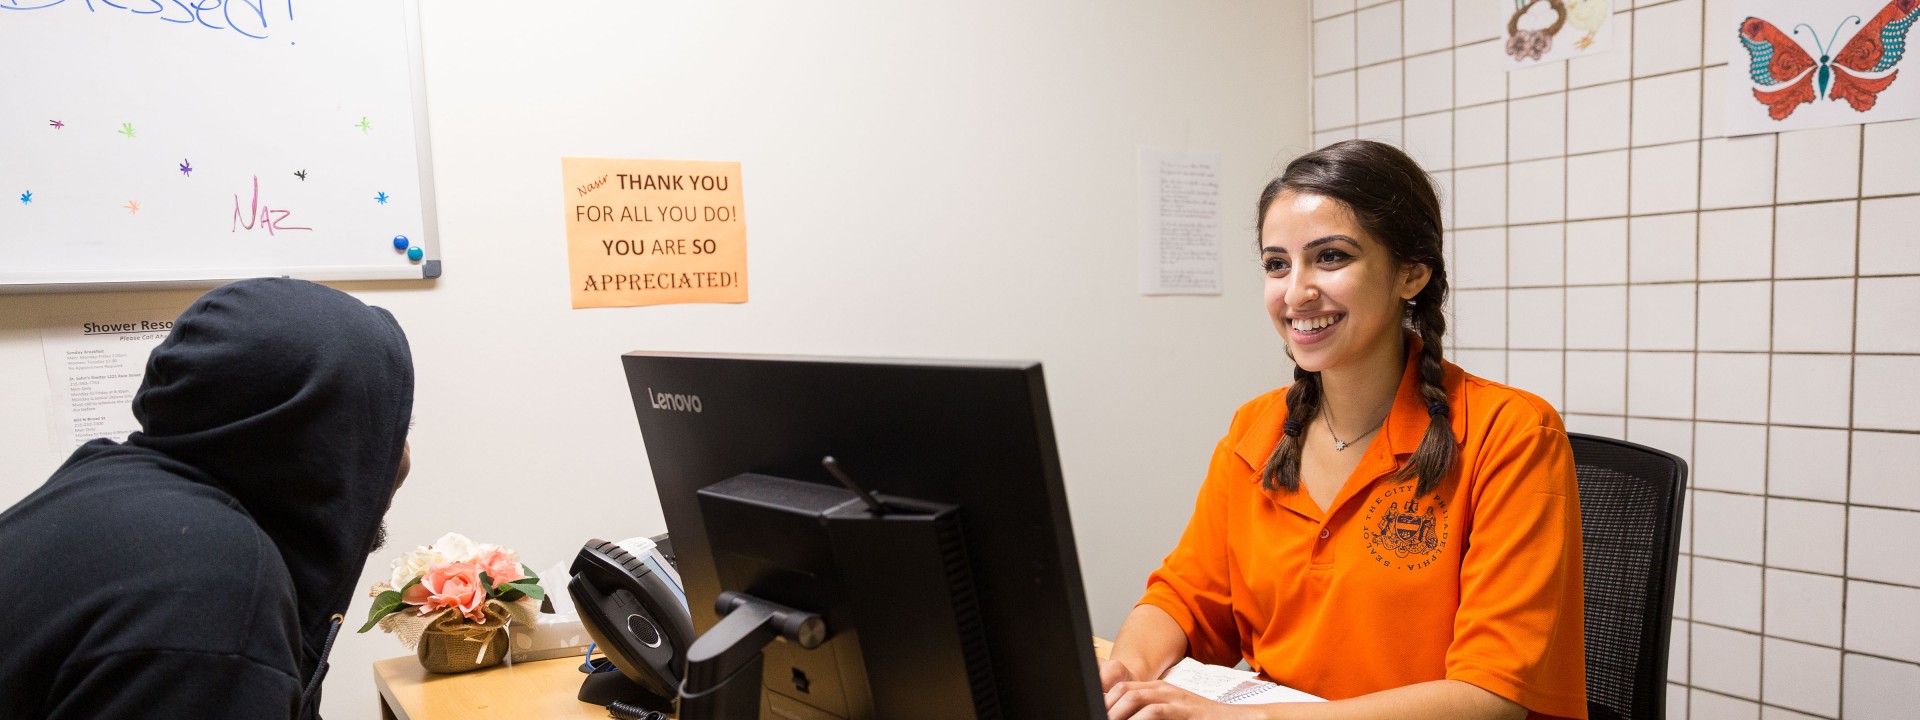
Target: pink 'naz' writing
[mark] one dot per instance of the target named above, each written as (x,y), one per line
(260,215)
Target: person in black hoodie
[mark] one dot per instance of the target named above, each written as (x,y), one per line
(200,568)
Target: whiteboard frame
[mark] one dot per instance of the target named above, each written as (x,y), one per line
(427,269)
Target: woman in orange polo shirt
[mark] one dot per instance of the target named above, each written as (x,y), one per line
(1388,532)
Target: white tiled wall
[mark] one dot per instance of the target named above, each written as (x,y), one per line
(1746,303)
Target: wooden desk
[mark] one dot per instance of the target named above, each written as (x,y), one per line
(543,689)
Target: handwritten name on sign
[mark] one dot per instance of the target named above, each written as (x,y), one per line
(652,232)
(254,19)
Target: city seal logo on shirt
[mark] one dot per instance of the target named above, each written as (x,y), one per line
(1402,531)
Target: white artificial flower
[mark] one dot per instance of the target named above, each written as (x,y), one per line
(410,566)
(452,548)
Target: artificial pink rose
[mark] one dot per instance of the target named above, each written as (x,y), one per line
(415,594)
(502,566)
(454,585)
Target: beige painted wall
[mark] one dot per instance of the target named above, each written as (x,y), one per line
(942,180)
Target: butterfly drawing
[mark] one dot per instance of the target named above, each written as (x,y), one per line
(1777,59)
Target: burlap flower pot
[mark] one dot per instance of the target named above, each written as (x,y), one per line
(449,643)
(454,645)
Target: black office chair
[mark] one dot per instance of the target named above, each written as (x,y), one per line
(1630,502)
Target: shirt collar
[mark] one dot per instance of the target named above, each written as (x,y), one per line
(1406,422)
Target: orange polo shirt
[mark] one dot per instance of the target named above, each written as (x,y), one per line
(1478,582)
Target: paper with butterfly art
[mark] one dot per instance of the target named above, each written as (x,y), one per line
(1544,31)
(1799,64)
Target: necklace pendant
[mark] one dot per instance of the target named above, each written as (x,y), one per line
(1337,445)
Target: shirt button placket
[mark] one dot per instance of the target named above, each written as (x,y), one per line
(1322,549)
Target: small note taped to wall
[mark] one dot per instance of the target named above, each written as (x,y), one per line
(94,367)
(652,232)
(1179,222)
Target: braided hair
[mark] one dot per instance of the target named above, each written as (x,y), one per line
(1394,201)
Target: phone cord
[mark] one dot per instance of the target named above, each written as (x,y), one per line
(624,711)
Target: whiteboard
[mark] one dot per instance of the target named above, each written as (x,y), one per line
(199,141)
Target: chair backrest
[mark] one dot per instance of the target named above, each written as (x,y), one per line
(1630,503)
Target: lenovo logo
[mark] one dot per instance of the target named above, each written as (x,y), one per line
(674,402)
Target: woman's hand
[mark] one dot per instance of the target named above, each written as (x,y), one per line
(1113,672)
(1160,700)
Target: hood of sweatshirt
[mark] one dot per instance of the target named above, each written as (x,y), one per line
(293,398)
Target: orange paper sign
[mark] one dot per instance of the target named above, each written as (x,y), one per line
(651,232)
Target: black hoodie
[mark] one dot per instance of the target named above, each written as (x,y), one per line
(193,570)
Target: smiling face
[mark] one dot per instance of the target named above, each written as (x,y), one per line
(1336,293)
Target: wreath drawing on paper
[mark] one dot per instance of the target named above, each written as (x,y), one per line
(1536,41)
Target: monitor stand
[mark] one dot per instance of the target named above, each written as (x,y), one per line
(724,665)
(899,566)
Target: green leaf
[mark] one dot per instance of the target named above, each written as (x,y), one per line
(384,604)
(486,583)
(511,594)
(531,576)
(530,587)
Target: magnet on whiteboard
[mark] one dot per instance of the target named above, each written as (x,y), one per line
(400,242)
(415,254)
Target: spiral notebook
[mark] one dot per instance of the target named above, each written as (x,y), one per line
(1231,686)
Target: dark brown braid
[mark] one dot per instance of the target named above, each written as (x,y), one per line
(1303,403)
(1394,201)
(1434,457)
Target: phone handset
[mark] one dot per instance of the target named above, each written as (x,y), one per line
(633,606)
